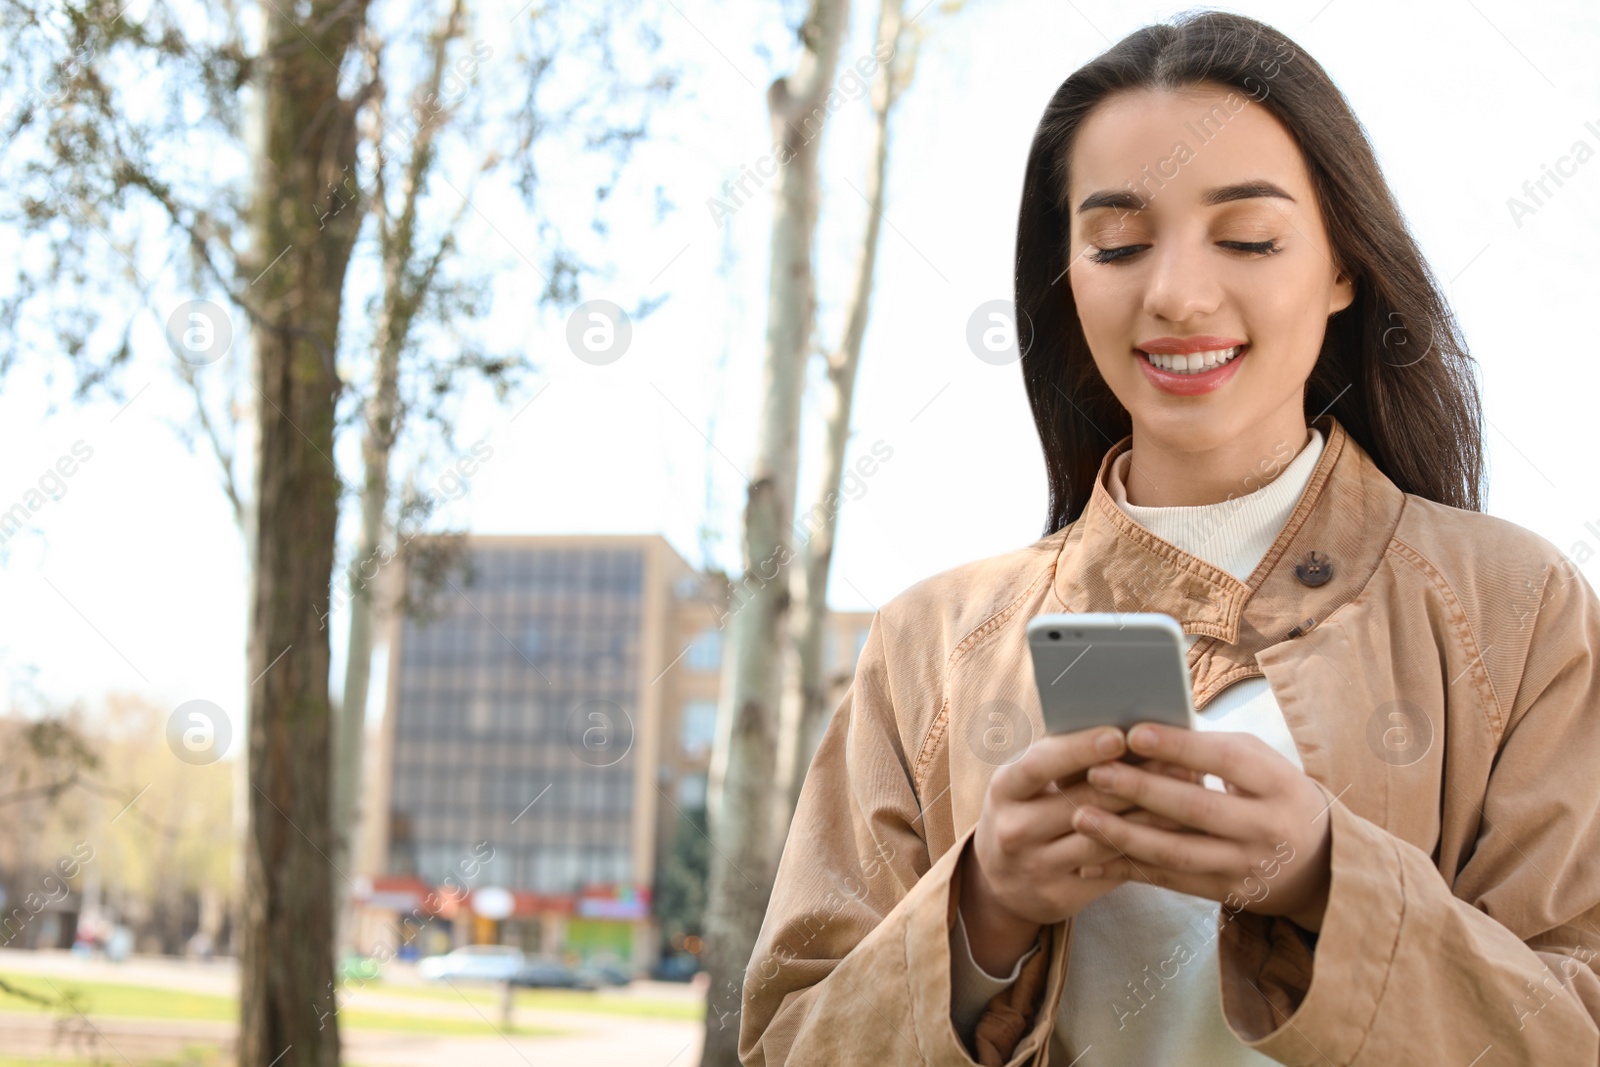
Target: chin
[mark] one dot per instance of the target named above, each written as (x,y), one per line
(1194,428)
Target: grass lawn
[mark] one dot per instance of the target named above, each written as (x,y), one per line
(546,999)
(107,999)
(194,1056)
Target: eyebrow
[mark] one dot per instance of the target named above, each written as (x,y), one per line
(1128,200)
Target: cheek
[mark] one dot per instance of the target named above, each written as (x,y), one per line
(1287,317)
(1108,311)
(1103,305)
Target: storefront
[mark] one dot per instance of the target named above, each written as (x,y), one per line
(605,922)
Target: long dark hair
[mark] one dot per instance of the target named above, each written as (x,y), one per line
(1393,369)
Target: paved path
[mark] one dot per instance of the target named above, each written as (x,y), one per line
(612,1043)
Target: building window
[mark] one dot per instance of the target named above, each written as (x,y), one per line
(480,712)
(699,726)
(532,645)
(692,792)
(705,652)
(620,867)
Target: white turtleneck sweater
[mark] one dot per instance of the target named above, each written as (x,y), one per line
(1142,984)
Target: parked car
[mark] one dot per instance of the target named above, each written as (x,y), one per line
(678,968)
(484,963)
(604,972)
(551,974)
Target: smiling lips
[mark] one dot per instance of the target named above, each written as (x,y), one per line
(1186,366)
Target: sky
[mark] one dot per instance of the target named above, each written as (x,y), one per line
(134,578)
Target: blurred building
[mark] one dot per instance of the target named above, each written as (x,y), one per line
(547,732)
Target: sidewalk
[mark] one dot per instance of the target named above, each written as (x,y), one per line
(613,1042)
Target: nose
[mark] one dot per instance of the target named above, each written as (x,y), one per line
(1180,286)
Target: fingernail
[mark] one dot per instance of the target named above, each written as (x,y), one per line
(1087,817)
(1142,735)
(1107,744)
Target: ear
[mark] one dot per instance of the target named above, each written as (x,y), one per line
(1341,294)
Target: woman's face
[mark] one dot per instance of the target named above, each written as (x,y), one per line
(1194,225)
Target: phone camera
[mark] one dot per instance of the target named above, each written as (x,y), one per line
(1055,635)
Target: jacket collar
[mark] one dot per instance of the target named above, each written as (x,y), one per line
(1346,515)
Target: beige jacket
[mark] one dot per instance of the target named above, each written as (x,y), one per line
(1442,686)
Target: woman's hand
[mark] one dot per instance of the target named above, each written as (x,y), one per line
(1022,871)
(1262,846)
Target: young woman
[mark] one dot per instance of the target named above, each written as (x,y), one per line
(1382,845)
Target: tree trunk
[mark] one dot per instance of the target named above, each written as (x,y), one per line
(376,444)
(745,760)
(402,299)
(349,744)
(302,247)
(805,708)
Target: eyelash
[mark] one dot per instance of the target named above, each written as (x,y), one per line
(1264,248)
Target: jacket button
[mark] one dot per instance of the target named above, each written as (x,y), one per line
(1314,569)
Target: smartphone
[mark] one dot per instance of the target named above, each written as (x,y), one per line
(1110,669)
